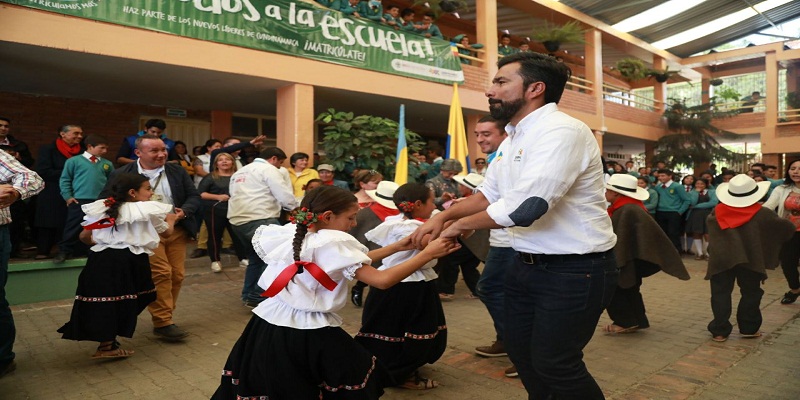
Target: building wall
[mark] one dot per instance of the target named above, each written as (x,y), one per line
(37,119)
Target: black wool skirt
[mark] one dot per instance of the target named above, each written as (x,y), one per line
(404,326)
(279,363)
(114,287)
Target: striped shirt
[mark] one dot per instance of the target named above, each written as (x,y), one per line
(24,181)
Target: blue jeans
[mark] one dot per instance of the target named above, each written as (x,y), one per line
(491,285)
(552,309)
(7,330)
(255,265)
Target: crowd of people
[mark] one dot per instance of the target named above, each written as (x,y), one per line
(558,249)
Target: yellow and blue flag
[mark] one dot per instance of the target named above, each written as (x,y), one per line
(401,161)
(457,134)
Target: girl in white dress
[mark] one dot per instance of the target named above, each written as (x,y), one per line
(116,286)
(404,326)
(294,346)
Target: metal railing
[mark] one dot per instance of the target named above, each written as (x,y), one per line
(471,58)
(578,83)
(626,97)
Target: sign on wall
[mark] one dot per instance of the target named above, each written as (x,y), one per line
(280,26)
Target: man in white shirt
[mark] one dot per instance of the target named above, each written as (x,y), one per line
(258,193)
(564,273)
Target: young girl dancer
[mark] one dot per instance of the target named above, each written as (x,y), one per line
(115,286)
(293,347)
(404,325)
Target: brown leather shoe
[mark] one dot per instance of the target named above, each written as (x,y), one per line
(497,349)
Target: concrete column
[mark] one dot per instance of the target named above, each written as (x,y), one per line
(295,114)
(221,124)
(486,28)
(593,50)
(705,90)
(660,89)
(771,110)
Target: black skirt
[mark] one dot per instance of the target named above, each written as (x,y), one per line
(280,363)
(404,326)
(697,221)
(114,287)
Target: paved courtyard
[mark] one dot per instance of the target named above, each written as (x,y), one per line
(674,359)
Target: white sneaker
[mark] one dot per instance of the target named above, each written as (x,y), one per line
(216,266)
(243,263)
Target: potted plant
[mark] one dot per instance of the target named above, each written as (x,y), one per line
(715,82)
(552,36)
(443,6)
(632,68)
(793,100)
(660,75)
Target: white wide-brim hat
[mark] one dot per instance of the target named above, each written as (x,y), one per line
(625,185)
(742,191)
(384,193)
(471,181)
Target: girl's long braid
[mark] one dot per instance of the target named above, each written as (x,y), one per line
(297,243)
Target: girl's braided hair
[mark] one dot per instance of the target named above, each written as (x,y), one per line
(408,194)
(316,202)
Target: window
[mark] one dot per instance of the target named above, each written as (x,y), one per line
(248,126)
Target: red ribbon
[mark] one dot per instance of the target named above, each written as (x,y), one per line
(297,267)
(101,224)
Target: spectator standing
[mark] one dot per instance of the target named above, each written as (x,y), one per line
(22,211)
(51,213)
(785,199)
(325,172)
(202,164)
(371,10)
(183,158)
(703,200)
(258,193)
(407,20)
(557,222)
(480,166)
(301,173)
(367,179)
(171,185)
(392,16)
(443,186)
(489,134)
(6,139)
(748,102)
(82,180)
(16,183)
(505,48)
(215,191)
(434,158)
(127,152)
(651,203)
(673,201)
(428,28)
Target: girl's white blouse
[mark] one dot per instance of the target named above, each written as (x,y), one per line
(305,303)
(136,227)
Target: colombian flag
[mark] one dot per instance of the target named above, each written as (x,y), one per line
(401,162)
(457,134)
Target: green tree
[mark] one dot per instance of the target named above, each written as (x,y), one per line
(692,139)
(370,140)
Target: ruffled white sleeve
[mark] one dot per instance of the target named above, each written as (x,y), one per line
(94,212)
(151,211)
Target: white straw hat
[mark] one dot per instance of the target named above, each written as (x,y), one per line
(625,184)
(742,191)
(384,193)
(471,181)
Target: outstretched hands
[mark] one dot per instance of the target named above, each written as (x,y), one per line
(428,231)
(441,247)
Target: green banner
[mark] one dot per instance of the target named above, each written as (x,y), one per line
(280,26)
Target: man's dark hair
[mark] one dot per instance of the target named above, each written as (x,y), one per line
(389,7)
(499,123)
(728,172)
(5,119)
(406,12)
(505,35)
(438,150)
(771,167)
(432,15)
(537,67)
(95,140)
(665,171)
(270,152)
(155,122)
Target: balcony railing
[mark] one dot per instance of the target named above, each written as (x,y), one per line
(626,97)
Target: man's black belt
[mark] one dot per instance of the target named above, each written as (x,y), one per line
(530,258)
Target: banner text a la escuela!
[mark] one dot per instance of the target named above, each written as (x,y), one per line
(280,26)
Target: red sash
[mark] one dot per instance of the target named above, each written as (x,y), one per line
(624,200)
(734,217)
(296,268)
(100,224)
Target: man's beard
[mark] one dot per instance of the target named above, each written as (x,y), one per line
(505,110)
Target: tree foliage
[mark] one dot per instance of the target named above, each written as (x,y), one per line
(693,138)
(370,140)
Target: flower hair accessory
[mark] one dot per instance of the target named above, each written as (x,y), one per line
(109,202)
(406,206)
(304,216)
